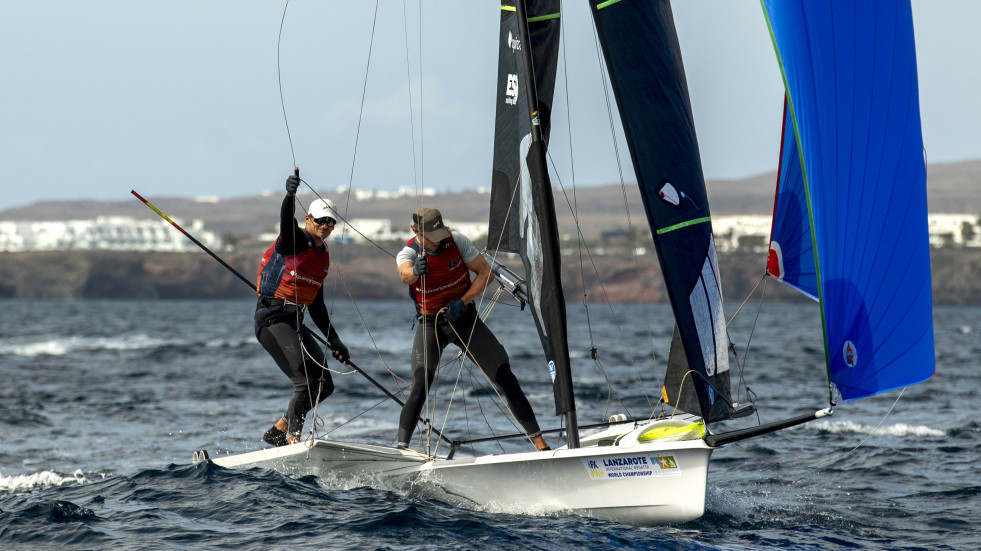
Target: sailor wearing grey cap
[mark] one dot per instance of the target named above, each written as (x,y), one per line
(291,277)
(437,266)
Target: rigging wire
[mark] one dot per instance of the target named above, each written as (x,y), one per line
(574,206)
(364,90)
(866,439)
(604,79)
(431,394)
(616,320)
(408,77)
(750,395)
(422,120)
(419,183)
(289,136)
(371,336)
(317,421)
(502,400)
(279,75)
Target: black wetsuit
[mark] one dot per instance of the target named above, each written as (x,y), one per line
(432,335)
(279,328)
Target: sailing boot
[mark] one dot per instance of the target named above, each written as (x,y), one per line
(276,436)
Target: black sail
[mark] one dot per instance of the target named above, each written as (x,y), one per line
(522,210)
(643,57)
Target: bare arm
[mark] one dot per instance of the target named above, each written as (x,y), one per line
(484,276)
(405,273)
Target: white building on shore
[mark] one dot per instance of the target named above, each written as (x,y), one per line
(747,232)
(120,233)
(753,231)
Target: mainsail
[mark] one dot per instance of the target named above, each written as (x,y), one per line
(849,69)
(522,213)
(643,58)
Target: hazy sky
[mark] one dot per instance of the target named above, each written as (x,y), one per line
(183,97)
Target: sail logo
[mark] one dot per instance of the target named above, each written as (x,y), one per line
(850,353)
(774,260)
(513,43)
(669,194)
(511,91)
(551,371)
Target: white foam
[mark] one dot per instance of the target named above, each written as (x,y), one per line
(229,342)
(72,344)
(899,429)
(36,481)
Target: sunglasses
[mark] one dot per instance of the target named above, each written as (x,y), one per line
(325,221)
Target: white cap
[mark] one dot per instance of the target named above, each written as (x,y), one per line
(320,208)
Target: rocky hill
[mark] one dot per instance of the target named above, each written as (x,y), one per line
(952,188)
(368,273)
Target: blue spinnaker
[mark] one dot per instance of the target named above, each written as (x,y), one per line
(850,72)
(791,255)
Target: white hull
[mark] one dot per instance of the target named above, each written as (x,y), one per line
(650,483)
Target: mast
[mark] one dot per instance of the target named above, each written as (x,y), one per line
(522,210)
(542,190)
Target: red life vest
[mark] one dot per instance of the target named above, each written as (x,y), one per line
(447,278)
(296,278)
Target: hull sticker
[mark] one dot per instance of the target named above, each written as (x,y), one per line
(630,466)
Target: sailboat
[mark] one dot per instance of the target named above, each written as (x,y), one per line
(873,283)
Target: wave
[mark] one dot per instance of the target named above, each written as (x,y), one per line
(46,479)
(64,346)
(849,427)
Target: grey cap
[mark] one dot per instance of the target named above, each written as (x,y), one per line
(429,223)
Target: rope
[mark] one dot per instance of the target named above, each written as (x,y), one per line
(749,296)
(681,386)
(750,395)
(866,439)
(364,322)
(466,349)
(400,382)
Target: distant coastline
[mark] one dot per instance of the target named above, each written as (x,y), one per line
(83,275)
(368,273)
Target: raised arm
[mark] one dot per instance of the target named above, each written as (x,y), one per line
(291,238)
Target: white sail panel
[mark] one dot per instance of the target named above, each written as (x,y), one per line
(710,321)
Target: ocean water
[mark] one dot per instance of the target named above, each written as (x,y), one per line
(103,403)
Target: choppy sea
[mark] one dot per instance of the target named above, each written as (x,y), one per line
(102,404)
